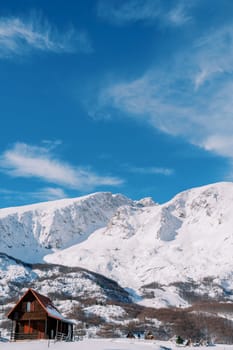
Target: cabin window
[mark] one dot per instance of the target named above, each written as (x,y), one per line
(28,306)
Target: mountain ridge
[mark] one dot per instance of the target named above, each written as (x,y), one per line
(124,265)
(136,243)
(40,227)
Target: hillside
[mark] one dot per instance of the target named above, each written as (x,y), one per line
(185,242)
(100,307)
(178,254)
(188,240)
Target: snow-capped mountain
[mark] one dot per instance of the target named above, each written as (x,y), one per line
(30,232)
(188,239)
(155,250)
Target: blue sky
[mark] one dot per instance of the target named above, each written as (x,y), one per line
(132,97)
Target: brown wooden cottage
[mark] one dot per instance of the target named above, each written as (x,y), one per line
(35,317)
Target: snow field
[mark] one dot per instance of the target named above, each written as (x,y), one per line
(102,344)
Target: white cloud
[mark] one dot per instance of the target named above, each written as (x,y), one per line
(131,11)
(128,11)
(20,36)
(178,15)
(220,144)
(49,193)
(201,117)
(42,194)
(213,54)
(24,160)
(151,170)
(51,144)
(192,100)
(150,99)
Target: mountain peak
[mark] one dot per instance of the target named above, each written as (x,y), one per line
(41,228)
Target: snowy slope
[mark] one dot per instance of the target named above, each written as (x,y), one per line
(102,344)
(150,248)
(73,290)
(30,232)
(187,239)
(67,283)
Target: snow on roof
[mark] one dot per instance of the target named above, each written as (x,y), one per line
(49,307)
(54,313)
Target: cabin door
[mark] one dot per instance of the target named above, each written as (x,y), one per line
(41,329)
(27,329)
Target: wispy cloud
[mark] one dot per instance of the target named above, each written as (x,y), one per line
(192,100)
(149,11)
(213,54)
(178,15)
(42,194)
(150,170)
(26,161)
(20,36)
(151,98)
(49,193)
(202,117)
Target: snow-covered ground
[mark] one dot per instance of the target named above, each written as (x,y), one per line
(102,344)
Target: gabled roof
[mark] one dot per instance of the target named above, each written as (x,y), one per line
(45,303)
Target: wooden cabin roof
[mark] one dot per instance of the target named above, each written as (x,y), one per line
(45,303)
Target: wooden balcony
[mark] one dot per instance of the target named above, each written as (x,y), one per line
(26,336)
